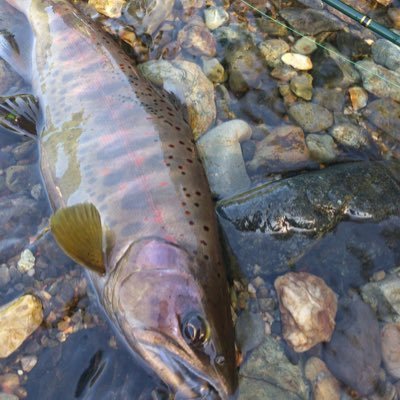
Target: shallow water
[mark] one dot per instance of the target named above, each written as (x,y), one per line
(346,251)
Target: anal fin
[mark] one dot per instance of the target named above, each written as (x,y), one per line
(19,114)
(78,231)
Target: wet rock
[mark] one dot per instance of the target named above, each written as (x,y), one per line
(245,68)
(354,353)
(19,178)
(384,114)
(394,15)
(271,28)
(187,81)
(147,16)
(331,71)
(384,297)
(9,382)
(386,53)
(332,99)
(4,275)
(390,336)
(311,117)
(371,73)
(283,72)
(322,148)
(26,262)
(28,363)
(324,385)
(297,61)
(305,45)
(358,97)
(301,86)
(351,136)
(222,157)
(248,149)
(249,331)
(196,39)
(269,375)
(272,50)
(284,149)
(18,320)
(215,17)
(331,223)
(308,309)
(352,46)
(213,70)
(110,8)
(311,22)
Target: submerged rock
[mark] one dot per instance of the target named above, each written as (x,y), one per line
(301,86)
(332,223)
(311,117)
(222,157)
(354,353)
(272,50)
(249,331)
(308,309)
(372,75)
(18,320)
(215,17)
(269,375)
(110,8)
(386,53)
(390,336)
(358,97)
(311,22)
(188,82)
(297,61)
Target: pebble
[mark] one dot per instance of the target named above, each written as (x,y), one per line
(350,135)
(214,70)
(390,337)
(4,275)
(18,320)
(9,382)
(311,117)
(110,8)
(284,149)
(322,148)
(272,50)
(358,97)
(188,82)
(297,61)
(37,191)
(305,45)
(308,309)
(283,72)
(354,353)
(379,87)
(28,362)
(271,28)
(26,262)
(301,86)
(222,157)
(215,17)
(386,53)
(332,99)
(385,115)
(324,385)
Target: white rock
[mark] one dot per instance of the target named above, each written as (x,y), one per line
(298,61)
(222,157)
(215,17)
(26,262)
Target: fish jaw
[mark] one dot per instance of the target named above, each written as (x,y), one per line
(151,294)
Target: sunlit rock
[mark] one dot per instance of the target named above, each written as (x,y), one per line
(358,97)
(109,8)
(18,320)
(297,61)
(308,309)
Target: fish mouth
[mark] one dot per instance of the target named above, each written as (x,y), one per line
(187,381)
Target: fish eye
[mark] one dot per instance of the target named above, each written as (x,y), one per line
(195,329)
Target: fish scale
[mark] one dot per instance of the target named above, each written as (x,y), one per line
(110,138)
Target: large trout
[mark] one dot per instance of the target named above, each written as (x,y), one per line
(131,201)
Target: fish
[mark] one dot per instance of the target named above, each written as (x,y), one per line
(131,201)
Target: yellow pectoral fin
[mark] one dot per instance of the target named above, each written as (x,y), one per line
(77,230)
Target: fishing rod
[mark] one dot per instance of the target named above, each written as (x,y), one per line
(364,20)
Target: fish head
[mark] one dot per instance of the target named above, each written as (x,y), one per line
(163,312)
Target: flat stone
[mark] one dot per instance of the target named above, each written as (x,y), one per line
(311,117)
(386,53)
(331,99)
(358,97)
(249,331)
(301,86)
(268,373)
(284,149)
(351,136)
(354,353)
(18,320)
(305,45)
(322,148)
(213,70)
(390,337)
(371,73)
(308,309)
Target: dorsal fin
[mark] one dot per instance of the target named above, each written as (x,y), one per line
(78,231)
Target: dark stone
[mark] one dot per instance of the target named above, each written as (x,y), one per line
(354,353)
(331,223)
